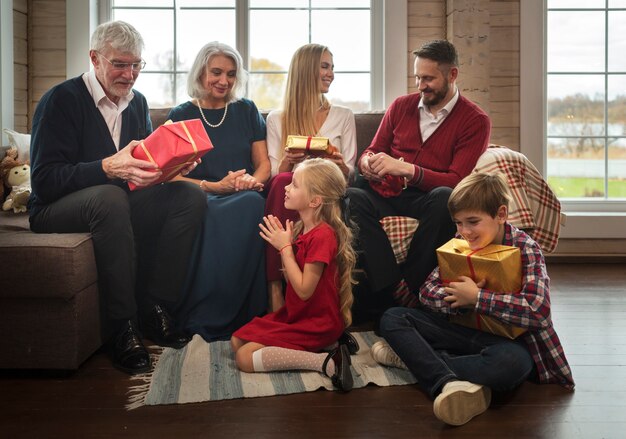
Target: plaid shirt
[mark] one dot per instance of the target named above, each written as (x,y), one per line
(529,308)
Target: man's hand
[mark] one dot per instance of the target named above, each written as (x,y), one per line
(190,168)
(366,169)
(463,293)
(124,166)
(382,164)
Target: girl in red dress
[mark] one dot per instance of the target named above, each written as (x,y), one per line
(318,268)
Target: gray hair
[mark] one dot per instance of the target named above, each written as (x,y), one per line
(119,35)
(195,89)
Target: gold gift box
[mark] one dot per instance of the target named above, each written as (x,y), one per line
(310,145)
(499,265)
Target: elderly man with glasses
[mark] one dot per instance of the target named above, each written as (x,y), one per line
(84,131)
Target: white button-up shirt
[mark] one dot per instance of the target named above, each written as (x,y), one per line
(111,112)
(429,122)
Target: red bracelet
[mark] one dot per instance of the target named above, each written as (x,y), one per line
(281,250)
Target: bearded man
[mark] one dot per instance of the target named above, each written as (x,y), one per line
(426,143)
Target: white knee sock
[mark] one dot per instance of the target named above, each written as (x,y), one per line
(272,358)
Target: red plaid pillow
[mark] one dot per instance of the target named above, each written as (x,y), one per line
(399,230)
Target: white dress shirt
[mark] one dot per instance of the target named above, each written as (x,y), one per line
(111,112)
(429,122)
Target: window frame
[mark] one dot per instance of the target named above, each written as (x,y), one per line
(606,216)
(388,48)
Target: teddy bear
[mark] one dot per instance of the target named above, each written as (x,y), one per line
(16,176)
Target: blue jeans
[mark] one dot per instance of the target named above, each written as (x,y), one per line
(437,351)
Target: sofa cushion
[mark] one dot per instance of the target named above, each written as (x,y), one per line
(56,265)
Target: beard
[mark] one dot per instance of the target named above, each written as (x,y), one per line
(437,95)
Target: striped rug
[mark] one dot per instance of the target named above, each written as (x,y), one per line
(207,372)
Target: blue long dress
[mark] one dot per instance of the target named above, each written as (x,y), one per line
(226,284)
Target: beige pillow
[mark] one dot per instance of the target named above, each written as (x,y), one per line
(21,142)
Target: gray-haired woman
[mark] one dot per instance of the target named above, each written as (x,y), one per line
(226,285)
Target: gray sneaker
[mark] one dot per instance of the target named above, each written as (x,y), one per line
(383,354)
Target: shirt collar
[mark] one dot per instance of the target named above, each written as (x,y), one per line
(446,109)
(98,94)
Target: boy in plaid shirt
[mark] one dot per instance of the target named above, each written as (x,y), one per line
(459,366)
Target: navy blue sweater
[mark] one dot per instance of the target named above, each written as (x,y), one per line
(70,138)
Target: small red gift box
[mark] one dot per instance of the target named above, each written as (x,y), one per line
(172,147)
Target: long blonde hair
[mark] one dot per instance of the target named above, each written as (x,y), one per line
(303,94)
(324,179)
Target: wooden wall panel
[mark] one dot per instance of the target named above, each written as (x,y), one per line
(20,66)
(504,72)
(426,21)
(49,38)
(47,48)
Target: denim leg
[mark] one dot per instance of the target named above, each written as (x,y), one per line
(437,351)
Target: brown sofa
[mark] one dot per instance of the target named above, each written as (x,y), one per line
(49,310)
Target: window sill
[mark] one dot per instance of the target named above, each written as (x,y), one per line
(601,225)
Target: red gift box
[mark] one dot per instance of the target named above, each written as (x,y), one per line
(172,147)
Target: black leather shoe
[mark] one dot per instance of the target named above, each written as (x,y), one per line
(128,352)
(342,378)
(158,326)
(349,340)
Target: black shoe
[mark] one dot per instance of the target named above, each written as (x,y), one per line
(158,326)
(128,352)
(342,378)
(349,340)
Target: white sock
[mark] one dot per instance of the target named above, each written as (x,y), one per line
(272,358)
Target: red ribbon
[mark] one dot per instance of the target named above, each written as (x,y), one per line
(308,144)
(473,276)
(470,265)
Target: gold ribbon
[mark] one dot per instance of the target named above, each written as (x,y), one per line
(187,162)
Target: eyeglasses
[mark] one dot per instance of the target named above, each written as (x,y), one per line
(136,66)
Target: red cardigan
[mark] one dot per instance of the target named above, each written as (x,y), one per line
(448,155)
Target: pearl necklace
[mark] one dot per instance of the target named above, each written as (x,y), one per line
(206,121)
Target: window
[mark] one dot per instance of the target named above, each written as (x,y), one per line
(586,99)
(266,33)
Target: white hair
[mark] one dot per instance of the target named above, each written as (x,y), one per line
(195,89)
(119,35)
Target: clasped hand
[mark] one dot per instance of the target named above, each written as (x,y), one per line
(376,166)
(273,231)
(236,181)
(463,293)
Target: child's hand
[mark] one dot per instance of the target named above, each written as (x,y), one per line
(274,233)
(464,292)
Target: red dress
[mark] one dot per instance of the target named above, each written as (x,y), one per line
(309,325)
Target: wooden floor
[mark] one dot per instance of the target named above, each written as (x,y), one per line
(589,311)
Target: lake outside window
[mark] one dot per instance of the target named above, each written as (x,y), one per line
(586,99)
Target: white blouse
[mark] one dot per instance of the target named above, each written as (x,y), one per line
(339,127)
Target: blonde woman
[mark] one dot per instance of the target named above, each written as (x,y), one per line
(305,112)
